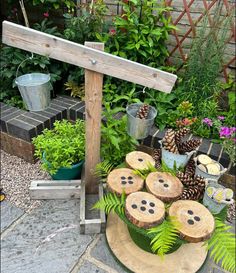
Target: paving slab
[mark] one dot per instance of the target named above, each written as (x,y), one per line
(88,267)
(102,253)
(9,214)
(46,241)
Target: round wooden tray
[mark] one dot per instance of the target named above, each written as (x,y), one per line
(187,259)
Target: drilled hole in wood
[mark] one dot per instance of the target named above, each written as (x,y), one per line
(166,185)
(161,180)
(151,211)
(123,182)
(140,159)
(130,182)
(190,222)
(197,218)
(144,202)
(152,204)
(190,212)
(143,208)
(134,206)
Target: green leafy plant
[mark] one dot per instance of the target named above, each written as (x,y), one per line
(222,246)
(75,90)
(102,170)
(143,173)
(110,202)
(140,33)
(63,146)
(56,4)
(166,236)
(116,143)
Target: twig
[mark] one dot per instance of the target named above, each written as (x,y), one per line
(24,12)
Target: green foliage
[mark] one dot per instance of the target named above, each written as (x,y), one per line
(62,146)
(143,173)
(165,168)
(56,4)
(116,143)
(166,235)
(206,56)
(102,170)
(222,246)
(140,33)
(76,91)
(110,202)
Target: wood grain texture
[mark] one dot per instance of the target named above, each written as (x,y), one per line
(140,261)
(79,55)
(144,209)
(139,160)
(196,222)
(164,186)
(123,179)
(93,112)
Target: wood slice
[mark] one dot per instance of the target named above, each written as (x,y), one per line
(164,186)
(124,179)
(144,209)
(196,222)
(204,159)
(139,160)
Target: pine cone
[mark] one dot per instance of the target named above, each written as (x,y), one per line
(143,112)
(192,193)
(190,168)
(186,179)
(189,145)
(157,158)
(180,134)
(200,182)
(168,142)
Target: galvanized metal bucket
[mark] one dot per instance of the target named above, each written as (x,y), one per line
(136,127)
(172,159)
(35,90)
(207,175)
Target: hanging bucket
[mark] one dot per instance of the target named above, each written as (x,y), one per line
(172,159)
(136,127)
(35,90)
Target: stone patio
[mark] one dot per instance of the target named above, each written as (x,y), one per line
(47,240)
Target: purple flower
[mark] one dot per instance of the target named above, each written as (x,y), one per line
(221,117)
(207,121)
(225,132)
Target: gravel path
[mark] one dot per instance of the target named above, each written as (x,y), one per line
(16,176)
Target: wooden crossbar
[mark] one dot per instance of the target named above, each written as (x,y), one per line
(83,56)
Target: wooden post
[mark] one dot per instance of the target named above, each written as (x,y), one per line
(93,110)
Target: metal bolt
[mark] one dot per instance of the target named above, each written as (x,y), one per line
(93,62)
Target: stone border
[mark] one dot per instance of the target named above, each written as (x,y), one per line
(22,126)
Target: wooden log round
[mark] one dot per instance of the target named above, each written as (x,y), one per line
(124,180)
(139,160)
(164,186)
(196,222)
(139,261)
(144,209)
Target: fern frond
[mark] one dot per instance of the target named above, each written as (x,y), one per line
(166,236)
(102,170)
(145,172)
(222,246)
(110,202)
(165,168)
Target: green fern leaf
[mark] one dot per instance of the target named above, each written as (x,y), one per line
(103,169)
(110,202)
(222,246)
(166,235)
(145,172)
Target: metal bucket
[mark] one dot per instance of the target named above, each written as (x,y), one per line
(172,159)
(136,127)
(35,90)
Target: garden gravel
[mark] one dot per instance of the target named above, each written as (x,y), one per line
(16,176)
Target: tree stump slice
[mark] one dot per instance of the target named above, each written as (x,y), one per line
(140,261)
(124,180)
(144,209)
(164,186)
(139,160)
(196,222)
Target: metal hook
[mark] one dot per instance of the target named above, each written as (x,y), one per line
(144,89)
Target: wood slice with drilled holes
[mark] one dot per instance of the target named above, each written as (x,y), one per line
(124,179)
(144,209)
(196,222)
(164,186)
(139,160)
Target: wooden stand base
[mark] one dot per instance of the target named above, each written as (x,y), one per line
(187,259)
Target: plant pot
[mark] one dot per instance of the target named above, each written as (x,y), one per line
(136,127)
(65,173)
(35,90)
(210,203)
(207,175)
(172,159)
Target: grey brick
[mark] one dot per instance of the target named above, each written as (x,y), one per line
(21,129)
(37,124)
(48,115)
(37,117)
(215,151)
(3,106)
(69,100)
(57,113)
(8,111)
(6,118)
(77,111)
(204,146)
(80,113)
(147,141)
(63,109)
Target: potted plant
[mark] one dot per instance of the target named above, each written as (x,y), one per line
(62,149)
